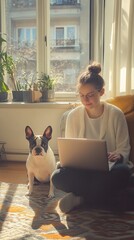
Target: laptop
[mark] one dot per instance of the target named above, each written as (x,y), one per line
(83,153)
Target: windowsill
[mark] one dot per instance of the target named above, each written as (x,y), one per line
(39,104)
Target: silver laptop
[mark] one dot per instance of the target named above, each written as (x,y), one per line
(83,153)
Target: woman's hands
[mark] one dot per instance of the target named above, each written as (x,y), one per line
(113,157)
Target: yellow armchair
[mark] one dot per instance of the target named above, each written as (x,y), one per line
(126,104)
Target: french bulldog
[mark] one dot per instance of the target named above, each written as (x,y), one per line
(41,161)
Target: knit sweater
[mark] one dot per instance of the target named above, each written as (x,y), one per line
(113,128)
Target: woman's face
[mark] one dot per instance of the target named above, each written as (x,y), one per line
(90,96)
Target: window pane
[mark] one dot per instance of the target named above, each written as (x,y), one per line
(21,35)
(70,36)
(70,33)
(59,36)
(69,24)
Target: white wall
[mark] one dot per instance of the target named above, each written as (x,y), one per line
(15,116)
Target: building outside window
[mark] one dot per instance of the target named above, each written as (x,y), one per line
(64,33)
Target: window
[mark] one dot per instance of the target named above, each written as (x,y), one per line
(60,36)
(26,36)
(70,36)
(65,36)
(49,36)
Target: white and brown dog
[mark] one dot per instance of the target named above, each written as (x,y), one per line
(41,161)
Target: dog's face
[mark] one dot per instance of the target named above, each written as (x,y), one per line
(38,145)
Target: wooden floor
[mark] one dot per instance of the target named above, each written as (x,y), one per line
(13,172)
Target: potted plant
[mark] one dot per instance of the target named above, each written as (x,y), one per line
(17,94)
(46,86)
(6,67)
(31,93)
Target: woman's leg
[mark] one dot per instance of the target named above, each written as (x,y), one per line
(80,182)
(119,177)
(94,186)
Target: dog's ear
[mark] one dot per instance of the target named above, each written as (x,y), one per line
(48,133)
(29,132)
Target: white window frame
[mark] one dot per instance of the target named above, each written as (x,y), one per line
(43,34)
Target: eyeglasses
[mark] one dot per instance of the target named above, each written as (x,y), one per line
(88,95)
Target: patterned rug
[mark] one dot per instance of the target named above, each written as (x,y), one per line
(37,217)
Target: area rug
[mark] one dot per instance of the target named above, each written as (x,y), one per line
(37,217)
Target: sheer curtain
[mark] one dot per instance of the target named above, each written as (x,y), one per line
(118,69)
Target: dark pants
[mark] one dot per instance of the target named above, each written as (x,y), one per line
(91,184)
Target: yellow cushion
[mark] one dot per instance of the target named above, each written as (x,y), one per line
(125,103)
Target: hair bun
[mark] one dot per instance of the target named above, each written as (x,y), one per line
(94,68)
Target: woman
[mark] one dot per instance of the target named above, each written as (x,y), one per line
(95,119)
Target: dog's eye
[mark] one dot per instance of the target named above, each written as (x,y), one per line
(32,144)
(43,144)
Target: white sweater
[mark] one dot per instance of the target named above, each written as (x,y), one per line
(113,128)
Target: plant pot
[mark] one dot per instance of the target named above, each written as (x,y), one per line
(17,96)
(48,95)
(3,96)
(27,96)
(37,96)
(31,96)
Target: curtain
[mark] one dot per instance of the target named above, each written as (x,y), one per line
(119,47)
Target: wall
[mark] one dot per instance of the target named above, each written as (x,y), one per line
(15,116)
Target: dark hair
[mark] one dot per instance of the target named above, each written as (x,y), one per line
(92,76)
